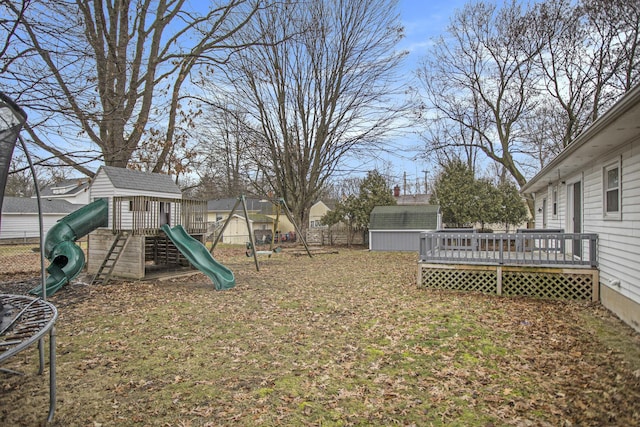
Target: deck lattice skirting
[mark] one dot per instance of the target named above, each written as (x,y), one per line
(512,280)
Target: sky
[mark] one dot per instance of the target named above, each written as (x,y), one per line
(422,20)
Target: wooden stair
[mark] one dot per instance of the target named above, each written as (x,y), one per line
(106,268)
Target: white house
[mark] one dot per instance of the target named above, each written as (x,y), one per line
(20,214)
(593,186)
(75,190)
(20,222)
(262,216)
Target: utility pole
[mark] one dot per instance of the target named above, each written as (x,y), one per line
(426,181)
(405,183)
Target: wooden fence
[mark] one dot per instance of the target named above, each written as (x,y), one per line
(334,236)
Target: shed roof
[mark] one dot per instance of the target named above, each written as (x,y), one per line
(261,218)
(413,217)
(142,181)
(28,205)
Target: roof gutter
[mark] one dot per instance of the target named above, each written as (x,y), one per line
(630,99)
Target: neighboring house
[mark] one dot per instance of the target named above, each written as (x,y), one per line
(262,215)
(74,191)
(111,182)
(593,186)
(220,209)
(398,228)
(410,199)
(20,216)
(316,212)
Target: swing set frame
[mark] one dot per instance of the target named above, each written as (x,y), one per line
(281,205)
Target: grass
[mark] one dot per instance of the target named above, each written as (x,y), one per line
(337,340)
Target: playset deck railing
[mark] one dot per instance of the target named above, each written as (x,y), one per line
(525,247)
(144,215)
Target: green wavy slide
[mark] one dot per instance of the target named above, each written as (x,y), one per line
(198,255)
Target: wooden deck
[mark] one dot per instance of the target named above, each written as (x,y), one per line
(537,248)
(530,263)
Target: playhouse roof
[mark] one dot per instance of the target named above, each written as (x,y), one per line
(406,217)
(142,181)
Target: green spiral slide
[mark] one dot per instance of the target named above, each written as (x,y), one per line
(67,258)
(198,255)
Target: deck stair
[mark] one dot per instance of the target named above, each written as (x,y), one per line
(106,268)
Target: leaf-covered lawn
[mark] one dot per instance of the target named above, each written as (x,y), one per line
(336,340)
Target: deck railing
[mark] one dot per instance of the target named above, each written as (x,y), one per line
(146,214)
(526,247)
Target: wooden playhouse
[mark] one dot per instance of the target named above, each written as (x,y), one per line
(140,203)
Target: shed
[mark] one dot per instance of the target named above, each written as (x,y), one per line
(593,186)
(398,228)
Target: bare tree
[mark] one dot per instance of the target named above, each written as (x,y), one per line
(519,85)
(110,77)
(225,166)
(613,28)
(11,14)
(479,83)
(590,57)
(325,92)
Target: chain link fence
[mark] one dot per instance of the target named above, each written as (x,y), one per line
(20,261)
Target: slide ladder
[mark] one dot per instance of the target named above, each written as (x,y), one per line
(106,268)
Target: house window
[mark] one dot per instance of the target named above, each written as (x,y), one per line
(554,202)
(612,191)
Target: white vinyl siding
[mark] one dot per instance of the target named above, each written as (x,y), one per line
(557,221)
(395,240)
(102,187)
(26,225)
(619,241)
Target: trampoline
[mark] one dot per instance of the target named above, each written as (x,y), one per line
(24,320)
